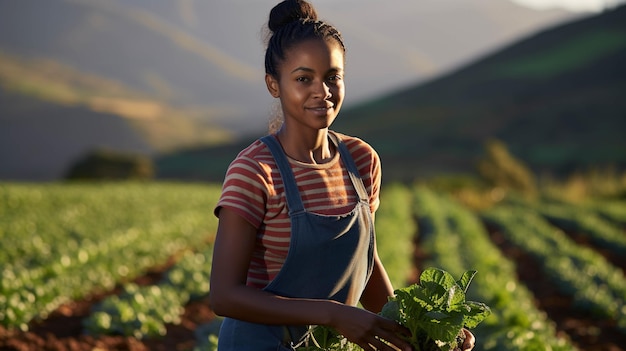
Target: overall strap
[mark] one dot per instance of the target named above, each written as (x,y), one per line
(294,201)
(357,182)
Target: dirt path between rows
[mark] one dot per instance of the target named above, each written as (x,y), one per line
(587,332)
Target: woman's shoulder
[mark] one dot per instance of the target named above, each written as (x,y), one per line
(256,152)
(255,161)
(256,149)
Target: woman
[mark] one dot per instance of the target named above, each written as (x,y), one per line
(295,244)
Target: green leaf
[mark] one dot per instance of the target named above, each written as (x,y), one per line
(429,294)
(391,310)
(478,312)
(437,315)
(466,279)
(439,276)
(444,330)
(455,300)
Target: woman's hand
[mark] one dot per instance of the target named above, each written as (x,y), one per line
(368,329)
(469,342)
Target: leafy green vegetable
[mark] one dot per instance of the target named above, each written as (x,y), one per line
(435,311)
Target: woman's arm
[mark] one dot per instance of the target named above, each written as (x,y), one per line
(230,297)
(378,288)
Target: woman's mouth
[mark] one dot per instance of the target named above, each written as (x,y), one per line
(320,108)
(321,111)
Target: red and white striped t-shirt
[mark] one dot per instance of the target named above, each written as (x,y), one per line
(254,189)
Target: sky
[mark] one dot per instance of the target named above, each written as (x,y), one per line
(572,5)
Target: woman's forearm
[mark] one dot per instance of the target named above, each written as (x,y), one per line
(258,306)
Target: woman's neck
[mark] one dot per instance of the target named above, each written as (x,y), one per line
(313,148)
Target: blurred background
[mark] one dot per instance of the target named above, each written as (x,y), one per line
(428,82)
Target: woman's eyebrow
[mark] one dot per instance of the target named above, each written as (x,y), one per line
(307,69)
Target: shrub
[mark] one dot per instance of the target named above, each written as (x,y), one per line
(501,169)
(111,165)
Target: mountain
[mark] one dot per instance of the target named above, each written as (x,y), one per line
(555,98)
(50,115)
(159,75)
(210,53)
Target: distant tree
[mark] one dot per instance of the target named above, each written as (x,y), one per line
(499,168)
(111,165)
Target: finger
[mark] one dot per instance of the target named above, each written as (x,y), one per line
(391,342)
(380,345)
(468,345)
(372,343)
(391,333)
(470,341)
(402,330)
(365,346)
(396,328)
(397,342)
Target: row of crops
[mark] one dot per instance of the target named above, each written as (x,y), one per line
(63,242)
(456,240)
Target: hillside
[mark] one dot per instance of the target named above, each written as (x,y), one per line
(210,53)
(132,44)
(51,114)
(555,98)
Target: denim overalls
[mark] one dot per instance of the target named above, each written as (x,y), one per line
(330,257)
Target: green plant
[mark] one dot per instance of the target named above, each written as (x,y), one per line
(435,310)
(501,169)
(110,165)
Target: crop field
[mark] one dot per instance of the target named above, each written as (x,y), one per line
(125,266)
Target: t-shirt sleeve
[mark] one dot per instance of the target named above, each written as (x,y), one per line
(244,191)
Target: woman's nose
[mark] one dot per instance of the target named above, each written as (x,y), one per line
(323,90)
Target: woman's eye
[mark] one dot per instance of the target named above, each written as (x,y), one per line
(302,79)
(334,78)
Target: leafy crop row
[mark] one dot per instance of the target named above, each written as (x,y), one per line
(611,210)
(62,242)
(143,311)
(456,240)
(599,230)
(395,230)
(595,285)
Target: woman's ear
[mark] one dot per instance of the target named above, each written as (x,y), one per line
(272,85)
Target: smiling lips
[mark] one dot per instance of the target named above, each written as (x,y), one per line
(321,108)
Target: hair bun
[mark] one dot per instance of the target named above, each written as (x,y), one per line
(289,11)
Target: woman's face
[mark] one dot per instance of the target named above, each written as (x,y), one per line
(310,84)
